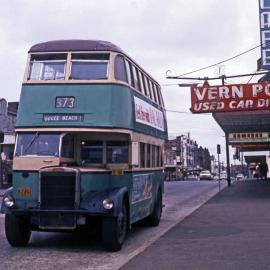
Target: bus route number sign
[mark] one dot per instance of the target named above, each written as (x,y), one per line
(64,102)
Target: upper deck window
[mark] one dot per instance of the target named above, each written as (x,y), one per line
(89,66)
(47,67)
(120,69)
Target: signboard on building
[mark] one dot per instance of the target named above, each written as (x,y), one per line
(249,137)
(225,98)
(264,8)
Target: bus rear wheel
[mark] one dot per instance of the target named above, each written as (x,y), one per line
(17,230)
(154,218)
(114,230)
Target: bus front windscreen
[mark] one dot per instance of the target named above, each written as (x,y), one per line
(37,144)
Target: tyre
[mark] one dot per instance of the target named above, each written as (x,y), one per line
(17,230)
(155,216)
(114,230)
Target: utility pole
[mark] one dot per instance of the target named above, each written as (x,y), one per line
(218,153)
(228,159)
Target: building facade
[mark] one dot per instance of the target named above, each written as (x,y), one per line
(8,114)
(184,156)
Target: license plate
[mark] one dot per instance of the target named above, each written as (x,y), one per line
(26,192)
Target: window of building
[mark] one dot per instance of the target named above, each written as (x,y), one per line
(117,152)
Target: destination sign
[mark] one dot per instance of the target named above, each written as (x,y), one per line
(63,117)
(236,97)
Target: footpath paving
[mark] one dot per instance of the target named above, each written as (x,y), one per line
(231,231)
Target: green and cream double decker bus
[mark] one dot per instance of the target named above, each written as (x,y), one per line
(89,148)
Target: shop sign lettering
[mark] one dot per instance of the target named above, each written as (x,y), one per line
(238,97)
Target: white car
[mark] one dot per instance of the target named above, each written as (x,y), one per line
(205,175)
(223,176)
(240,177)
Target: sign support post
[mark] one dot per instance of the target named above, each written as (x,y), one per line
(218,153)
(228,159)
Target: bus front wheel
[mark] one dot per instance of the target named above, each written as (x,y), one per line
(17,230)
(114,230)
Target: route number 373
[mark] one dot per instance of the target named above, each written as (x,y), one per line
(64,102)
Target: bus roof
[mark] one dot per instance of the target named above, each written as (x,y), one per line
(74,45)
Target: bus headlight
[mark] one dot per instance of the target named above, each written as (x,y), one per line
(9,201)
(107,204)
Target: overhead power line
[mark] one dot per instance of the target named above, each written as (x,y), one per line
(187,112)
(221,62)
(217,78)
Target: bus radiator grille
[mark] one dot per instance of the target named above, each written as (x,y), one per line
(57,191)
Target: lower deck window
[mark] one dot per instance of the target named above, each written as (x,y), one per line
(142,155)
(117,152)
(91,151)
(150,156)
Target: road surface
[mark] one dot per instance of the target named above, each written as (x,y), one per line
(58,251)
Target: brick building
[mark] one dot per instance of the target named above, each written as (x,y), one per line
(183,154)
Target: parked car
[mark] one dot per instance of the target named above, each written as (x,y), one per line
(240,177)
(205,175)
(223,176)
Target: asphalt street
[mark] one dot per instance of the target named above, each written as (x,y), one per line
(229,232)
(57,251)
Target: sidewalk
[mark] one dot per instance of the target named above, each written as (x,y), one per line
(231,231)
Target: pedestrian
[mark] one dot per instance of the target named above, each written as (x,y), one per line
(263,170)
(257,171)
(184,174)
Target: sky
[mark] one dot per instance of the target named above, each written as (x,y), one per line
(175,35)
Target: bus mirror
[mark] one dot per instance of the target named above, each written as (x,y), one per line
(1,137)
(135,154)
